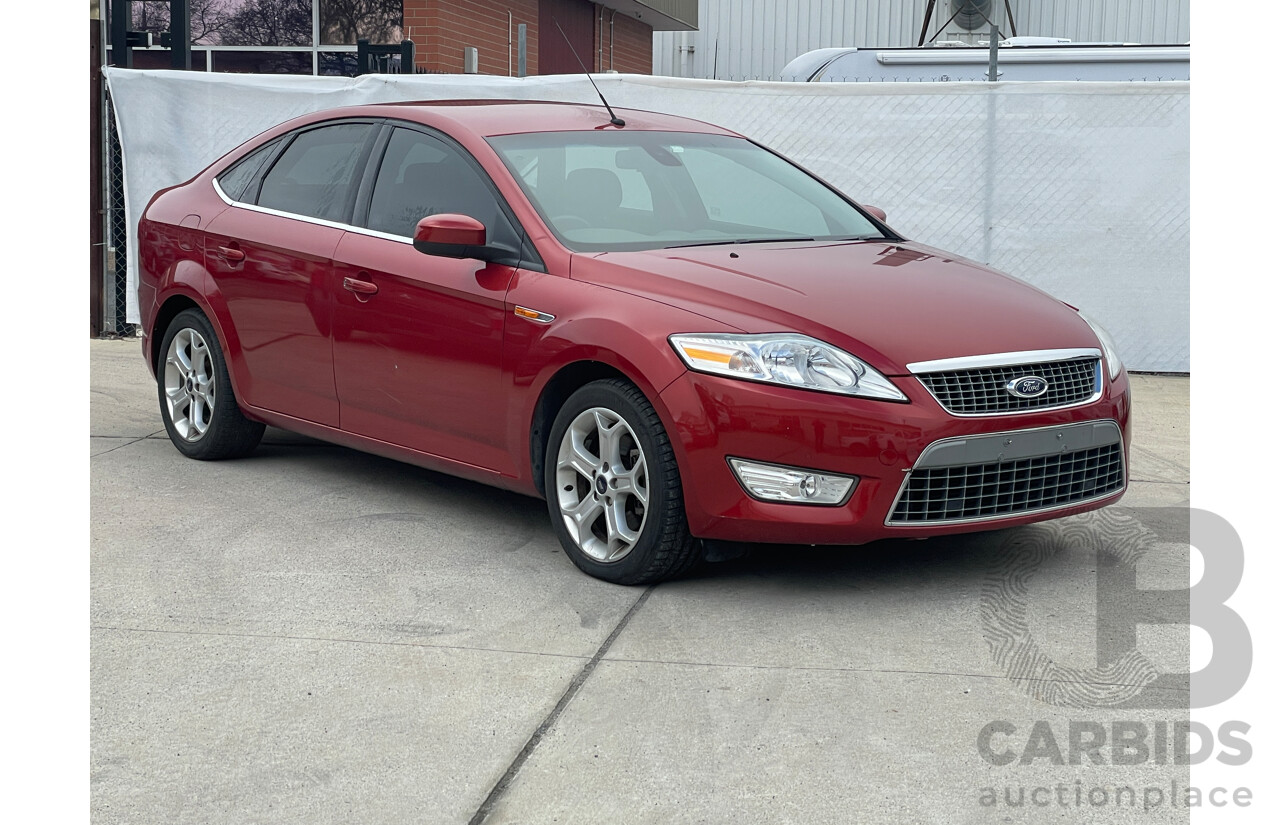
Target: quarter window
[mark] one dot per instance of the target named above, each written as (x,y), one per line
(235,181)
(318,174)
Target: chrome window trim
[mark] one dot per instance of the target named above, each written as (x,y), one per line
(536,264)
(906,479)
(1002,359)
(346,227)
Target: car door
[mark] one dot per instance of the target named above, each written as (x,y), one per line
(271,258)
(418,338)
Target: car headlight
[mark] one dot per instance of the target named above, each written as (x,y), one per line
(781,358)
(1114,364)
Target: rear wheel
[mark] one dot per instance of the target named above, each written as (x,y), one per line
(613,488)
(197,403)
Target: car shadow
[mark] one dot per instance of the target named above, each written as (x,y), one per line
(961,562)
(893,563)
(380,475)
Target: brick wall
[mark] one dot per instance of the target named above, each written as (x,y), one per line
(632,44)
(440,29)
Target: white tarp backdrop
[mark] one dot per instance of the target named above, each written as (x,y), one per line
(1082,189)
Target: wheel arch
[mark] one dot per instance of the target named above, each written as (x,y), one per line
(179,300)
(170,309)
(565,382)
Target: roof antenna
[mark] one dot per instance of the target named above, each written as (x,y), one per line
(614,119)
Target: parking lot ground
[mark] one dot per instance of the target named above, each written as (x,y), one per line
(317,635)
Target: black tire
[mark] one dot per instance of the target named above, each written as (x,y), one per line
(648,538)
(197,402)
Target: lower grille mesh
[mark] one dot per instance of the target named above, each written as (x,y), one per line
(1009,487)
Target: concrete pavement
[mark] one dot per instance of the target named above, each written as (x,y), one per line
(316,635)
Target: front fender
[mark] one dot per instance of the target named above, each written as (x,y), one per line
(592,325)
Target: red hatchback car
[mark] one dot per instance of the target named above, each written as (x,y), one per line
(669,332)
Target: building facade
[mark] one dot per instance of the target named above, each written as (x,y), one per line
(449,36)
(607,36)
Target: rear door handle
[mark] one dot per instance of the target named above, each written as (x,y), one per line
(362,289)
(231,254)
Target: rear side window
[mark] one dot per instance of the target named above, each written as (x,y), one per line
(318,174)
(235,181)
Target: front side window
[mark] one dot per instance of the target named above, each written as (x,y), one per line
(420,176)
(318,173)
(604,191)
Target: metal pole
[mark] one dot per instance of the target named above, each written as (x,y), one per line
(108,256)
(362,57)
(1008,18)
(995,49)
(989,185)
(943,27)
(924,27)
(121,54)
(522,50)
(989,193)
(180,34)
(97,248)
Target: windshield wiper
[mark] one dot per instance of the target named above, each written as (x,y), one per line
(731,241)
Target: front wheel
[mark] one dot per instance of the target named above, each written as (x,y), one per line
(613,488)
(196,401)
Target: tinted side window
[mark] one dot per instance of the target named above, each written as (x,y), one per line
(423,176)
(318,174)
(236,180)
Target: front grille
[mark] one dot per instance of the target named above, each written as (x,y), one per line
(982,391)
(1007,488)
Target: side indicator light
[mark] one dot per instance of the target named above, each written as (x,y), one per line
(534,315)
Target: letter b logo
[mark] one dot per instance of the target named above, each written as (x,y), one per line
(1123,676)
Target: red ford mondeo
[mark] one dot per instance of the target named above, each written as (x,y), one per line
(669,332)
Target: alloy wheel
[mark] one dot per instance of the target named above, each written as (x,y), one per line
(602,484)
(190,384)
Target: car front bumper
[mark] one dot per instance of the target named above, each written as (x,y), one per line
(885,444)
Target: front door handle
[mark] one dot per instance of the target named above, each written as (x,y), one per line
(362,289)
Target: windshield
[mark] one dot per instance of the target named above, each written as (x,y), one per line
(609,191)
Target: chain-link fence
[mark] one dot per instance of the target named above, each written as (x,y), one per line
(978,76)
(115,230)
(1081,189)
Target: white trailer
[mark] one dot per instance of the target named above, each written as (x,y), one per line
(1017,59)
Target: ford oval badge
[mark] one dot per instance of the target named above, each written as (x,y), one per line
(1028,386)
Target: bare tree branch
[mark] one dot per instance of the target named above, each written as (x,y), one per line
(342,22)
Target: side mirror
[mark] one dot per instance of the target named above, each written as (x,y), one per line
(877,211)
(450,236)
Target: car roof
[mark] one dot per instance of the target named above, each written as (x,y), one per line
(488,118)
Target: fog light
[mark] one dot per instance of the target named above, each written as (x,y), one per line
(791,485)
